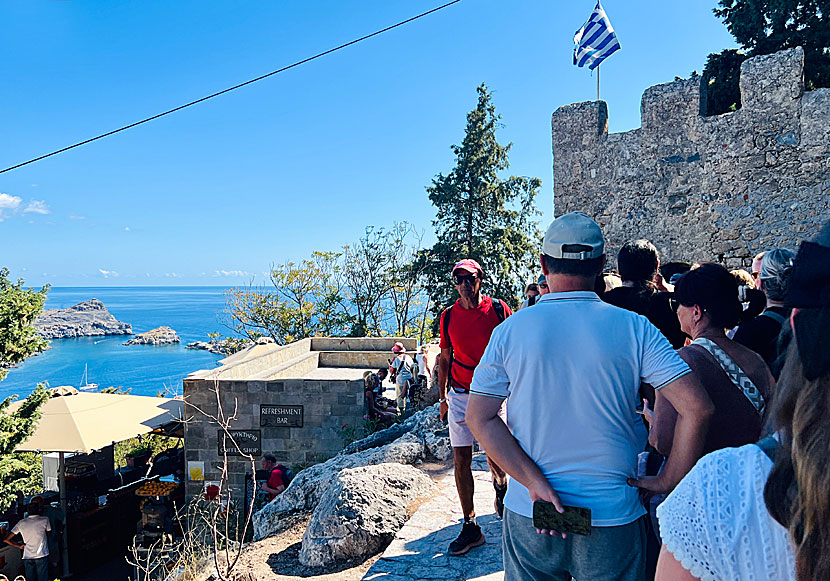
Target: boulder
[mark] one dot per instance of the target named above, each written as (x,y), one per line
(157,336)
(360,512)
(89,318)
(417,439)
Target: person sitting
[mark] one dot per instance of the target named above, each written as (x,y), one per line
(275,484)
(638,263)
(372,408)
(761,334)
(760,511)
(736,378)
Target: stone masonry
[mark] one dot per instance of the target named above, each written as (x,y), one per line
(324,376)
(715,188)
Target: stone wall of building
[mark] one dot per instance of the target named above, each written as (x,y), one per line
(703,188)
(327,406)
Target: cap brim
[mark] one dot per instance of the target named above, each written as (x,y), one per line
(470,269)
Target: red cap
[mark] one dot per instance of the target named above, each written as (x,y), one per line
(467,265)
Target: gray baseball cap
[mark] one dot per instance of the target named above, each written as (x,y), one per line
(574,229)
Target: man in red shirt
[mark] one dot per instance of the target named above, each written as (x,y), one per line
(465,331)
(276,482)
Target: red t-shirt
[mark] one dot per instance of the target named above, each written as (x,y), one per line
(275,481)
(470,331)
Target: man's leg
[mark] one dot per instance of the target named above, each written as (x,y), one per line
(611,553)
(42,567)
(463,459)
(527,555)
(461,440)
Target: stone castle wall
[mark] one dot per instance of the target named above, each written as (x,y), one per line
(703,188)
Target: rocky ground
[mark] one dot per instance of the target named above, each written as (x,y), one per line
(157,336)
(89,318)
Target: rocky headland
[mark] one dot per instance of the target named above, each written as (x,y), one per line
(86,319)
(157,336)
(220,346)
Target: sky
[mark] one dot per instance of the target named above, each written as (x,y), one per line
(301,161)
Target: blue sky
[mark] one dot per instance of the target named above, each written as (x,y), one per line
(302,161)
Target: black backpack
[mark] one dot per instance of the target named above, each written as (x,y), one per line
(287,474)
(498,305)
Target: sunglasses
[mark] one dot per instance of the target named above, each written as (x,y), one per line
(674,304)
(543,285)
(465,278)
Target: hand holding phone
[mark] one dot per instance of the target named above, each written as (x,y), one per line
(575,519)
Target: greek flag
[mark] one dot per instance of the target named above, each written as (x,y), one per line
(595,41)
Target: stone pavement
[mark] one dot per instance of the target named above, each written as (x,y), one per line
(419,550)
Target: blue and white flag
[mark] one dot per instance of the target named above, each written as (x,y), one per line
(595,41)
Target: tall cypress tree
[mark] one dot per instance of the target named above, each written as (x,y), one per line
(483,216)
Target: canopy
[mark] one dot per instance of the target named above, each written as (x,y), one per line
(74,421)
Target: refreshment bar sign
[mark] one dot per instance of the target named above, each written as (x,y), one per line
(281,416)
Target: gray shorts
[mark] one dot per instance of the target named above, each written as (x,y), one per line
(608,553)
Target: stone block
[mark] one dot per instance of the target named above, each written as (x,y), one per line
(346,398)
(773,82)
(274,387)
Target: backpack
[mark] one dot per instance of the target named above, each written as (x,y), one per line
(287,474)
(498,306)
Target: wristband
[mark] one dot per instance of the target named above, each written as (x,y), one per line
(442,400)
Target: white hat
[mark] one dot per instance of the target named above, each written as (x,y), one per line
(574,229)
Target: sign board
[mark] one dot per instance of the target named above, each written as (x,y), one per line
(281,416)
(247,442)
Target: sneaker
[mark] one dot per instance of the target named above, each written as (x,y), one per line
(471,536)
(500,492)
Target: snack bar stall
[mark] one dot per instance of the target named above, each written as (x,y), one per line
(102,505)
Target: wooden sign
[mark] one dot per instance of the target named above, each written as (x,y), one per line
(246,442)
(281,416)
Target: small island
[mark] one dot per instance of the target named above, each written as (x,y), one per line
(157,336)
(86,319)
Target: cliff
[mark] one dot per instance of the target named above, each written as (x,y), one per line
(157,336)
(89,318)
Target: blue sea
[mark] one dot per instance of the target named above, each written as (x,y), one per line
(192,312)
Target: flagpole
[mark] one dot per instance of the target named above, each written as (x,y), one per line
(597,82)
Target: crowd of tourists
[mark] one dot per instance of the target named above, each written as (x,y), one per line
(410,378)
(660,421)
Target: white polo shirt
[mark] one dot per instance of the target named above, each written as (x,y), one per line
(571,369)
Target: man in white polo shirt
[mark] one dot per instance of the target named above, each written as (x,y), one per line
(572,367)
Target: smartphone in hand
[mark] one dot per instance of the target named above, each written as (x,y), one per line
(575,519)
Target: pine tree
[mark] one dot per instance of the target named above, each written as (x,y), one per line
(18,339)
(479,215)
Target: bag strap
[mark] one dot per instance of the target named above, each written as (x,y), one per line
(735,373)
(769,445)
(774,316)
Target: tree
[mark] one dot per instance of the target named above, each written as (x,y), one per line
(482,216)
(305,301)
(19,307)
(765,27)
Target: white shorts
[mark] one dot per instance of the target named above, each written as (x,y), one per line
(460,434)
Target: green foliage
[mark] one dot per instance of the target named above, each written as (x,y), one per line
(765,27)
(720,81)
(19,307)
(482,216)
(17,472)
(152,443)
(305,301)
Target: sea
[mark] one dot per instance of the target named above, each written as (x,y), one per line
(192,312)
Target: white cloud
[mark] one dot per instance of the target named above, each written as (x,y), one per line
(232,273)
(76,217)
(126,228)
(37,207)
(108,273)
(173,275)
(8,203)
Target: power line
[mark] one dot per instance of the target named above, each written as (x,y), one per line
(229,89)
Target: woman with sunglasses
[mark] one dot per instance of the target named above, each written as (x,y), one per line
(736,378)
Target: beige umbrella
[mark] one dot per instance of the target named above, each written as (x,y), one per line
(73,421)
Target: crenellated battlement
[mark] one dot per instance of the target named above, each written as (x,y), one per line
(703,188)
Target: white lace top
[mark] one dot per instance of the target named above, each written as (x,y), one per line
(717,526)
